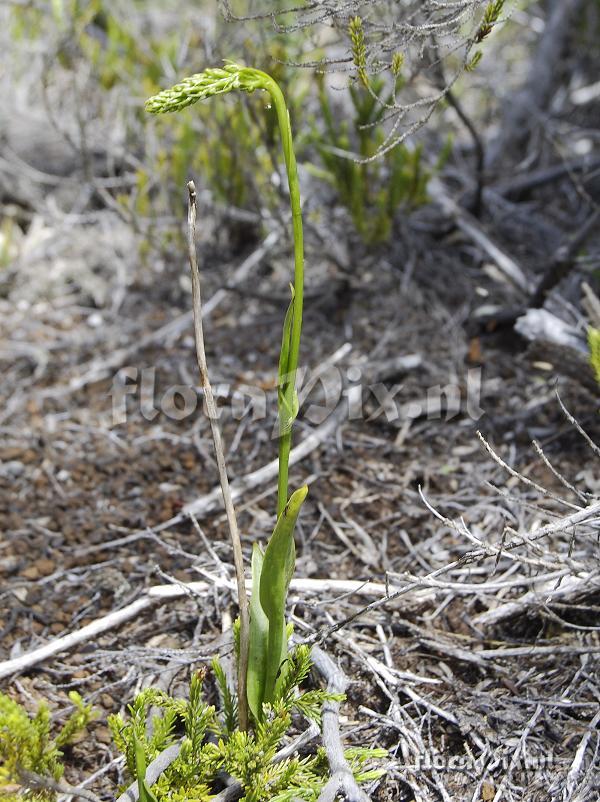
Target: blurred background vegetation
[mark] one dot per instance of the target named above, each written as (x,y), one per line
(383,105)
(110,56)
(450,174)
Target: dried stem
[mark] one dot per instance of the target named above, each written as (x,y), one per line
(211,409)
(38,782)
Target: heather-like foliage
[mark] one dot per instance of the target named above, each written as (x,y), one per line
(28,745)
(381,38)
(372,190)
(211,742)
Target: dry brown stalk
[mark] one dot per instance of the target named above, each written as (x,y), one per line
(211,408)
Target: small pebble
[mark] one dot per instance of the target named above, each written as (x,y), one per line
(12,469)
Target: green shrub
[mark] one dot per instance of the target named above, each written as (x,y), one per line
(212,743)
(372,191)
(127,67)
(372,182)
(216,140)
(27,745)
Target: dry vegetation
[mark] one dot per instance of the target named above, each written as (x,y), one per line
(472,652)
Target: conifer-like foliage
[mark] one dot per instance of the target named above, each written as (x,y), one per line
(213,746)
(491,15)
(27,743)
(372,187)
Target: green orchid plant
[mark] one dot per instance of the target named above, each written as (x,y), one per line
(266,641)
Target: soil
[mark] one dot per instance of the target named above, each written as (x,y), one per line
(403,492)
(75,489)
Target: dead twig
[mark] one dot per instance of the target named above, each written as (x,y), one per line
(569,590)
(564,260)
(387,593)
(577,764)
(341,778)
(34,781)
(525,479)
(211,407)
(526,108)
(577,425)
(159,593)
(587,514)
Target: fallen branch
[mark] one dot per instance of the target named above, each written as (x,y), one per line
(554,341)
(341,778)
(160,593)
(588,515)
(36,782)
(577,764)
(525,109)
(564,259)
(591,304)
(474,230)
(595,449)
(568,590)
(536,324)
(516,188)
(107,622)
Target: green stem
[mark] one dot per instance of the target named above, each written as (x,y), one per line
(283,119)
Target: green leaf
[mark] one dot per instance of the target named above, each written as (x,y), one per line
(277,571)
(284,354)
(259,633)
(287,397)
(146,794)
(288,410)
